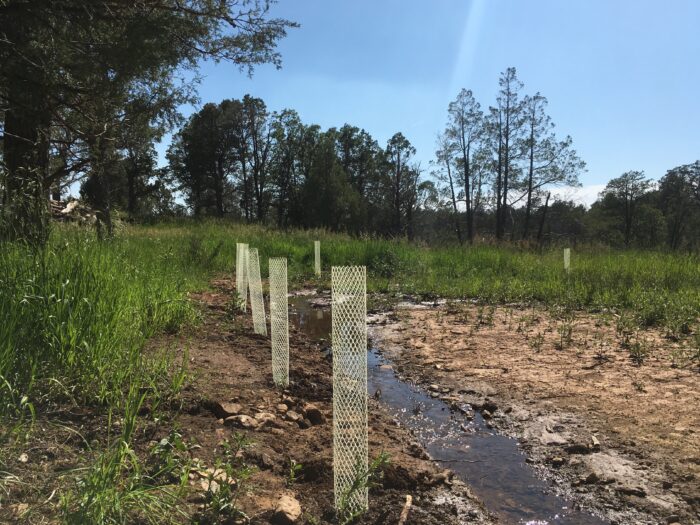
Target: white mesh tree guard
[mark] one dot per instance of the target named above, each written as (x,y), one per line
(242,275)
(567,259)
(279,321)
(349,338)
(317,257)
(257,305)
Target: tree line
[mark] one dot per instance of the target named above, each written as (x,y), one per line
(493,177)
(86,91)
(238,159)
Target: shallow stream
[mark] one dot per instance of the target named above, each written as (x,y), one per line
(491,464)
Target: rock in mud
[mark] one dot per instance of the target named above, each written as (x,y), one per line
(241,421)
(293,416)
(222,410)
(265,418)
(417,451)
(557,461)
(287,511)
(314,414)
(578,448)
(441,478)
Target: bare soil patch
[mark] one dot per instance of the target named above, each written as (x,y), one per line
(232,378)
(601,410)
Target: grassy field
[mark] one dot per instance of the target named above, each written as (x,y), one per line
(76,316)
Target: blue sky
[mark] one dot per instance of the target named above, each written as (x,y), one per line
(622,77)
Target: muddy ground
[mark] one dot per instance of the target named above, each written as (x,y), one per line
(231,393)
(608,414)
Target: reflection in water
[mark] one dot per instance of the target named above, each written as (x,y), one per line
(491,464)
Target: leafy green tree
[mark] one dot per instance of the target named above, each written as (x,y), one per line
(329,199)
(505,125)
(621,198)
(464,130)
(445,173)
(679,201)
(70,61)
(402,180)
(549,161)
(288,134)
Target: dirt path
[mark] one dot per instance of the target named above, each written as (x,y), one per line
(232,378)
(233,367)
(622,437)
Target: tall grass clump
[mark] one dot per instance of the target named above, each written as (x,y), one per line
(660,288)
(76,315)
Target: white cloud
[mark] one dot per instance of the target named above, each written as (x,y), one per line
(586,194)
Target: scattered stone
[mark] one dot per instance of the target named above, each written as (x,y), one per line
(209,485)
(577,448)
(265,417)
(287,511)
(304,424)
(595,444)
(282,408)
(217,474)
(441,478)
(673,518)
(262,460)
(242,421)
(434,388)
(590,479)
(445,390)
(557,461)
(417,451)
(434,395)
(18,509)
(293,416)
(632,491)
(490,405)
(314,414)
(486,414)
(23,458)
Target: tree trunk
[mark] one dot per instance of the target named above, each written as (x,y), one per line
(466,154)
(499,180)
(458,229)
(220,176)
(530,175)
(26,157)
(397,196)
(131,187)
(544,216)
(506,175)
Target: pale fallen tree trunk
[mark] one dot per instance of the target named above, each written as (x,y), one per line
(406,509)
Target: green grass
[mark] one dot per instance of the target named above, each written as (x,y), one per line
(660,289)
(76,315)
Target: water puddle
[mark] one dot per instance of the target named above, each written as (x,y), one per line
(491,464)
